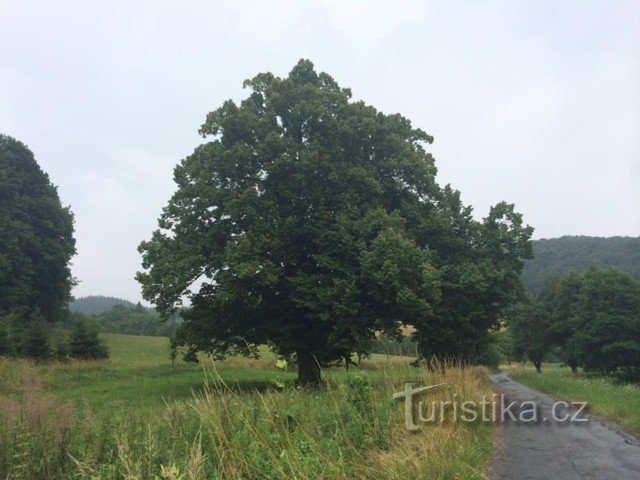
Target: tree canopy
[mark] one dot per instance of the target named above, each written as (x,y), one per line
(309,222)
(607,319)
(36,238)
(593,318)
(530,329)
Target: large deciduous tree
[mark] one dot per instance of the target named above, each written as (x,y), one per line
(607,333)
(309,222)
(479,265)
(36,236)
(560,297)
(592,317)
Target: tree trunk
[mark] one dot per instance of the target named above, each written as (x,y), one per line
(574,369)
(308,370)
(538,365)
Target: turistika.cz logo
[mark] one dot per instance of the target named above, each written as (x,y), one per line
(494,409)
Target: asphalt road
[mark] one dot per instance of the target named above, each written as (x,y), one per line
(547,448)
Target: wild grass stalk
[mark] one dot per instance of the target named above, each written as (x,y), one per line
(349,428)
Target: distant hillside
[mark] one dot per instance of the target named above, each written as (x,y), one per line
(556,256)
(97,304)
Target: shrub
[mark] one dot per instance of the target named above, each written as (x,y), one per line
(85,343)
(35,338)
(4,338)
(62,350)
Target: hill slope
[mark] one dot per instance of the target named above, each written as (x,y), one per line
(97,304)
(556,256)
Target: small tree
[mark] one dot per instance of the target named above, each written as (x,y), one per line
(531,333)
(35,338)
(61,350)
(559,298)
(5,342)
(86,344)
(506,347)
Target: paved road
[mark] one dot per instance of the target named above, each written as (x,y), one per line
(558,450)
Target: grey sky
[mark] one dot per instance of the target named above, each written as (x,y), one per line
(533,102)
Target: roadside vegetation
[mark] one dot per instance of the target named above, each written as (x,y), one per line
(589,320)
(136,417)
(606,396)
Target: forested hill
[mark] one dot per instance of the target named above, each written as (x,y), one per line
(97,304)
(556,256)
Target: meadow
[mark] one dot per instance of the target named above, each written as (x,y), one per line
(605,397)
(137,417)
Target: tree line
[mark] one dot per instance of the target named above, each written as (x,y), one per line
(121,319)
(28,335)
(555,257)
(97,304)
(589,320)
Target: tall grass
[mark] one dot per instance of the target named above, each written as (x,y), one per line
(350,428)
(605,396)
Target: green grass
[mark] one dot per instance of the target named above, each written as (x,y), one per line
(136,417)
(138,376)
(606,398)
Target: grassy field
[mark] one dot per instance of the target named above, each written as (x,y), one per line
(606,398)
(136,417)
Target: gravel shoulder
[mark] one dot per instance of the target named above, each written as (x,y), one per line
(545,444)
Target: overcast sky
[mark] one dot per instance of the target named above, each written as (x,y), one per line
(533,102)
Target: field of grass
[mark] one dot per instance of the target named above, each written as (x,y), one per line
(136,417)
(606,398)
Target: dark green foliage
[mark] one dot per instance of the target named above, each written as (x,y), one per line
(6,347)
(479,265)
(24,333)
(556,257)
(176,346)
(4,342)
(592,318)
(530,327)
(506,348)
(309,222)
(36,238)
(488,356)
(35,338)
(85,343)
(560,297)
(61,351)
(12,327)
(607,335)
(97,304)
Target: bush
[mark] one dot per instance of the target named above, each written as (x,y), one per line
(35,338)
(85,343)
(5,344)
(62,350)
(489,356)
